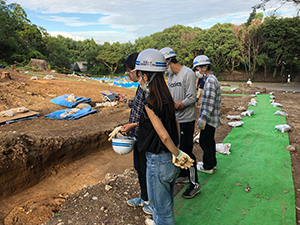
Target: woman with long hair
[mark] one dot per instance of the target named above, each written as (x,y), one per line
(159,136)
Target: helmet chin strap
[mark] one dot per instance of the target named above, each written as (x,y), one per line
(203,71)
(151,78)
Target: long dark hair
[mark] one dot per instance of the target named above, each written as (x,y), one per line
(157,88)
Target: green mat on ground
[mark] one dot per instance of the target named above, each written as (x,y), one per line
(228,88)
(258,161)
(235,95)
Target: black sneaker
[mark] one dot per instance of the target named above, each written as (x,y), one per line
(191,191)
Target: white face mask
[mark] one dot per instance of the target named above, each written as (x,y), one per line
(198,74)
(144,87)
(169,71)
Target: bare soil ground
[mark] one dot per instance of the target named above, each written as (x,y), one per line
(65,172)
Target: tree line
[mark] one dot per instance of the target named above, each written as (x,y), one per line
(260,44)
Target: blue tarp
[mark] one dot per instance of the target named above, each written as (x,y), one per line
(21,119)
(121,81)
(78,114)
(61,100)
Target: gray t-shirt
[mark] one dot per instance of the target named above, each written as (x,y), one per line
(182,87)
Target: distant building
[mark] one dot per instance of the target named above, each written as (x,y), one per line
(80,66)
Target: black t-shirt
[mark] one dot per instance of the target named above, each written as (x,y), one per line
(148,139)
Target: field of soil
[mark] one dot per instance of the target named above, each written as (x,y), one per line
(65,171)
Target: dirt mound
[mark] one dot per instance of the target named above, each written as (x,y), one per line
(39,63)
(106,202)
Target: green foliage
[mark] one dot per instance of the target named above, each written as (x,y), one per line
(27,68)
(36,69)
(34,54)
(255,45)
(9,39)
(110,56)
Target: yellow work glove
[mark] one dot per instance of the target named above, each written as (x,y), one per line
(182,160)
(114,133)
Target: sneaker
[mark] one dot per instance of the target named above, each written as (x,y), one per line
(201,163)
(191,191)
(201,169)
(182,180)
(137,202)
(149,222)
(148,209)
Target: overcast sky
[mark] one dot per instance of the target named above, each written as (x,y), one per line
(127,20)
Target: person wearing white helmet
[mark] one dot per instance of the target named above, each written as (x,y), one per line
(159,136)
(182,86)
(210,114)
(199,86)
(200,83)
(139,159)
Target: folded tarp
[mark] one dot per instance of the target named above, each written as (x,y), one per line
(64,114)
(19,116)
(25,118)
(62,100)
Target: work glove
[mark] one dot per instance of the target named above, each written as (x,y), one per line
(114,133)
(182,160)
(201,123)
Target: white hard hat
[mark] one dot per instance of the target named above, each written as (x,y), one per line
(201,60)
(123,144)
(151,60)
(168,52)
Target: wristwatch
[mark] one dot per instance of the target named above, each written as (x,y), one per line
(124,100)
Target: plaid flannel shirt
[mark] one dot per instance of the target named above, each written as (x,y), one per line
(136,106)
(211,101)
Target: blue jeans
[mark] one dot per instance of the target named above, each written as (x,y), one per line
(161,175)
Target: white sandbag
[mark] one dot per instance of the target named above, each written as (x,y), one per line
(233,89)
(257,93)
(241,108)
(223,148)
(253,95)
(106,104)
(49,77)
(22,109)
(283,128)
(237,117)
(290,148)
(71,98)
(72,111)
(6,113)
(253,103)
(236,124)
(272,97)
(247,113)
(280,113)
(271,93)
(34,78)
(276,104)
